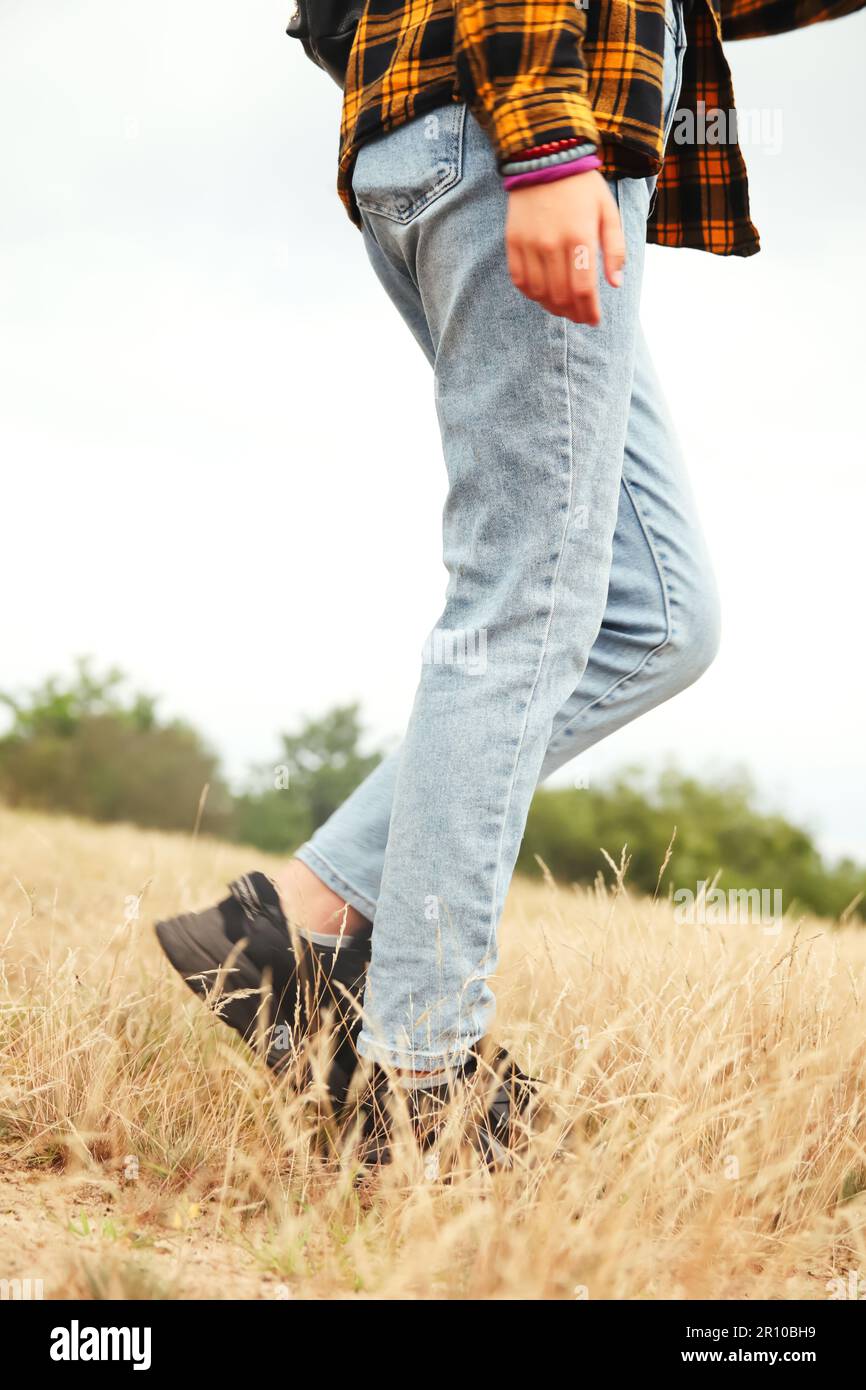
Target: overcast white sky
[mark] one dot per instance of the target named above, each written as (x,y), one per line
(219,446)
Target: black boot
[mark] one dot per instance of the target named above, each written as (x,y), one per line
(241,958)
(501,1102)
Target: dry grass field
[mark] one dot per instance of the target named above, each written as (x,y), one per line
(704,1086)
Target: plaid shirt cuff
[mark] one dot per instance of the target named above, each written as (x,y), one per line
(516,123)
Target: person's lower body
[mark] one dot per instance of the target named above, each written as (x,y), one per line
(659,633)
(579,597)
(579,593)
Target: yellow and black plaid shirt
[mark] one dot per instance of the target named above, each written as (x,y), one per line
(538,70)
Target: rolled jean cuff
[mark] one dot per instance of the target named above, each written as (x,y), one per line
(335,881)
(377,1051)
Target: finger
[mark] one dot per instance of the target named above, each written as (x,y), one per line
(536,279)
(516,264)
(612,242)
(584,283)
(559,298)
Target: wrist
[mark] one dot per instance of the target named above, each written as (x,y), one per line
(530,160)
(551,173)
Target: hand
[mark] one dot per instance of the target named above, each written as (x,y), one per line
(552,234)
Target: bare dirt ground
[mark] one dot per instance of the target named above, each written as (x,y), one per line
(81,1241)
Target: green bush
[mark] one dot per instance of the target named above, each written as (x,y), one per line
(89,749)
(715,827)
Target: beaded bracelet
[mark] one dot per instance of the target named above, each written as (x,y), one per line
(552,147)
(524,166)
(557,171)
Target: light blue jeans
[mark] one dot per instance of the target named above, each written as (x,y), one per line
(579,591)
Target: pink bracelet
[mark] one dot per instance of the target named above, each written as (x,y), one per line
(554,171)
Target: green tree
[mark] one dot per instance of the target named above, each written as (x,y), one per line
(88,747)
(315,770)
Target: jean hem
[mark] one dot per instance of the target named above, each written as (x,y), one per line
(377,1051)
(320,866)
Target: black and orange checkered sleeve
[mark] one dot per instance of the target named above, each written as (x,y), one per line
(522,70)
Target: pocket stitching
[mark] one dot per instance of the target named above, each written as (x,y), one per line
(452,177)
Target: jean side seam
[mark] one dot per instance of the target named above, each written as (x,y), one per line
(616,685)
(614,689)
(544,646)
(661,570)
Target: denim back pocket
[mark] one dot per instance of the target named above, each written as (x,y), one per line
(399,174)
